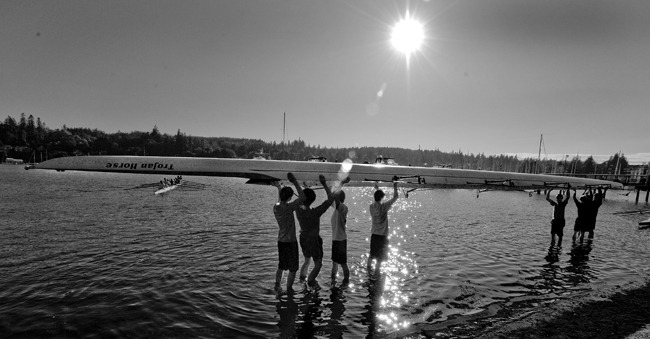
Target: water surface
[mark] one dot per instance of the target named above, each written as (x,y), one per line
(81,255)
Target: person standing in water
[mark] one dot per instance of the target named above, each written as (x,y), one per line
(379,237)
(558,222)
(584,205)
(310,240)
(340,238)
(287,242)
(593,213)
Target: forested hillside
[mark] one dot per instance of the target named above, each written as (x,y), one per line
(30,139)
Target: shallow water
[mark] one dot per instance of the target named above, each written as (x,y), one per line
(81,255)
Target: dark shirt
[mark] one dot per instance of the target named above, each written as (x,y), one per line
(309,218)
(558,210)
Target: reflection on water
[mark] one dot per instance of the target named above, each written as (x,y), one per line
(374,310)
(83,256)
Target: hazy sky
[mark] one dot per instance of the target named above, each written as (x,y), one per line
(491,76)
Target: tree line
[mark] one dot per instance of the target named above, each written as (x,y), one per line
(31,140)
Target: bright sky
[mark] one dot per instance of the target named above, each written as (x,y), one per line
(490,77)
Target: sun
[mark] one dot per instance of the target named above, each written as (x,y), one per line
(407,36)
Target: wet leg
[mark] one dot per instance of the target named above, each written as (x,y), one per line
(346,273)
(290,279)
(318,263)
(335,267)
(304,269)
(377,268)
(278,280)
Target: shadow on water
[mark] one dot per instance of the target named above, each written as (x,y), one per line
(579,266)
(337,310)
(370,317)
(288,311)
(312,314)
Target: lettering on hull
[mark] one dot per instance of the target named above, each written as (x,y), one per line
(144,166)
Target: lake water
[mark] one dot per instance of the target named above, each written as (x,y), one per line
(83,256)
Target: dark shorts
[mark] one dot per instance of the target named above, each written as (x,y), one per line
(340,251)
(312,247)
(557,226)
(378,246)
(579,225)
(288,254)
(590,226)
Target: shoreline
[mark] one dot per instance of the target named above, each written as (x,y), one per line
(622,313)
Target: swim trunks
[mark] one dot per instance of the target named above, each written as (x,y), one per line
(288,255)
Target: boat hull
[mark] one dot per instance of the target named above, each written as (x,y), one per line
(273,171)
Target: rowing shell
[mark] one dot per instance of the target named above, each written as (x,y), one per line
(275,171)
(166,189)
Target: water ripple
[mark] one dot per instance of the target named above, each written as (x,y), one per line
(83,257)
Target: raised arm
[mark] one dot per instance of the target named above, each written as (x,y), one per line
(599,195)
(568,193)
(323,182)
(292,179)
(395,193)
(337,195)
(575,194)
(548,196)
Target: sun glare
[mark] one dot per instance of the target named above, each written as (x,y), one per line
(407,36)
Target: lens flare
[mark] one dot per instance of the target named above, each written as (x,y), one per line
(346,166)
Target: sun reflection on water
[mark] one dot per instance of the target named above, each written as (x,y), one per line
(390,294)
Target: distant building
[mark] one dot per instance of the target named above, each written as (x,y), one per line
(637,173)
(14,161)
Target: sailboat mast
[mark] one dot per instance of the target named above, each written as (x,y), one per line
(284,132)
(539,154)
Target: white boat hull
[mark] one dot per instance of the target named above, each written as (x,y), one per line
(272,171)
(165,189)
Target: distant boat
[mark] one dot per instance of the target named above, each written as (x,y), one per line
(319,158)
(32,162)
(381,160)
(167,188)
(261,155)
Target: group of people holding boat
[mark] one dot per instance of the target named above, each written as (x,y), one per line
(587,206)
(310,240)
